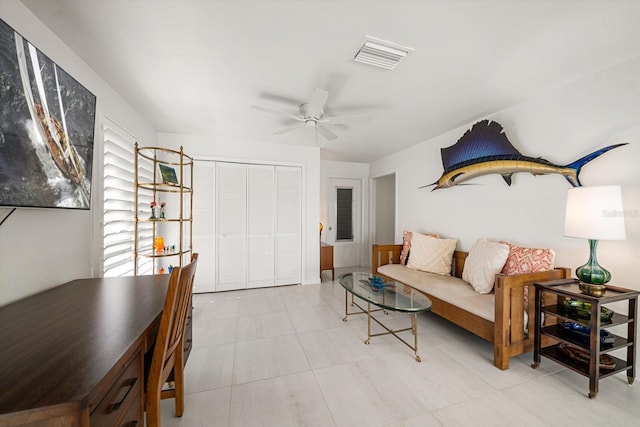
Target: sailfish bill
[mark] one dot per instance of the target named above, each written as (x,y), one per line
(484,149)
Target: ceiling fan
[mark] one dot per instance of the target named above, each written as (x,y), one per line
(312,114)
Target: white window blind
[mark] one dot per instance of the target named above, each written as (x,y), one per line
(344,214)
(118,230)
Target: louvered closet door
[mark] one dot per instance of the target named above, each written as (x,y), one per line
(231,215)
(204,205)
(288,225)
(261,224)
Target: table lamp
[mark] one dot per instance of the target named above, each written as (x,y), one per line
(594,213)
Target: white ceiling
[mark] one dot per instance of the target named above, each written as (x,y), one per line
(196,66)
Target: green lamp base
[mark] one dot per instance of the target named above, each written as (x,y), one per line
(592,272)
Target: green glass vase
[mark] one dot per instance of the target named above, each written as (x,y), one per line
(592,272)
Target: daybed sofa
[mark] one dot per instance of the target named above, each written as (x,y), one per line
(499,317)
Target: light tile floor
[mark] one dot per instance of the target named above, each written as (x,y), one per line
(283,357)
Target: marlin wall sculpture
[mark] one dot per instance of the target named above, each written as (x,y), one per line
(485,149)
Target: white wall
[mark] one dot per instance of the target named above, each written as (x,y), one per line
(560,125)
(41,248)
(333,169)
(242,151)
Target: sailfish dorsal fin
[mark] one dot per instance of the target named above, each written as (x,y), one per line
(484,139)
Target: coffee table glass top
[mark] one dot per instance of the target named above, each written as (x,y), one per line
(393,296)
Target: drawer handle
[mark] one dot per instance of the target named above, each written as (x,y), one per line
(131,382)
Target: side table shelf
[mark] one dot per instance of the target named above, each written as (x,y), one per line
(549,298)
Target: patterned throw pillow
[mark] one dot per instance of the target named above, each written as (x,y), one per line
(528,260)
(406,245)
(431,254)
(485,260)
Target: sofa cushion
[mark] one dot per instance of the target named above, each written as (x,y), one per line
(450,289)
(485,260)
(431,254)
(406,245)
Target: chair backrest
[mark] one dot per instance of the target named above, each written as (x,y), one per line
(172,323)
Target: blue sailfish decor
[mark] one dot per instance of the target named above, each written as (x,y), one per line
(485,149)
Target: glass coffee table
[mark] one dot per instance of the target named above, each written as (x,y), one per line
(392,296)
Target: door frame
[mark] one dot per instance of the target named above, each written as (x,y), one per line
(357,184)
(373,199)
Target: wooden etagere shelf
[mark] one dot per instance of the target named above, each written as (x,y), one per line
(552,335)
(175,188)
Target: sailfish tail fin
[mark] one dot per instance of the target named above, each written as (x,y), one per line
(578,164)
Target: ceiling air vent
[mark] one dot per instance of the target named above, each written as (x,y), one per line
(381,53)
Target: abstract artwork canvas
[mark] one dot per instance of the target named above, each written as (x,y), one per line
(47,124)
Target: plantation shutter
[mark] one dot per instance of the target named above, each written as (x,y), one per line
(119,154)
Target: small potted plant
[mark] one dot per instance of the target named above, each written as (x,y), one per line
(162,205)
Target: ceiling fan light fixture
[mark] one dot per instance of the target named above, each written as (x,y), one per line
(381,53)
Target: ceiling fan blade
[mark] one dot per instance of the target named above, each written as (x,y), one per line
(315,107)
(276,112)
(346,119)
(288,129)
(280,99)
(326,133)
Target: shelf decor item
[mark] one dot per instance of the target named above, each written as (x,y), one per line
(581,310)
(152,205)
(581,356)
(594,213)
(168,174)
(159,244)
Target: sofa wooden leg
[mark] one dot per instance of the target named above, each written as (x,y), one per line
(500,358)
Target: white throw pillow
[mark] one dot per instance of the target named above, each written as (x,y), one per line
(431,254)
(484,261)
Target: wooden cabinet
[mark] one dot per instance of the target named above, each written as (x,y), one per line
(551,300)
(326,259)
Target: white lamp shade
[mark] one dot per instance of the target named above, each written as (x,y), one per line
(595,213)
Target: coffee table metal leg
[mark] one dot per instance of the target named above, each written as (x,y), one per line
(368,324)
(414,328)
(346,306)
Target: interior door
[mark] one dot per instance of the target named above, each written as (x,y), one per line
(345,227)
(288,225)
(260,223)
(231,226)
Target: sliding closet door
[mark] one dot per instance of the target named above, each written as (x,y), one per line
(204,206)
(231,216)
(288,225)
(261,224)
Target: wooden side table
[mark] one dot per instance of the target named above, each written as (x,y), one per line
(326,259)
(554,334)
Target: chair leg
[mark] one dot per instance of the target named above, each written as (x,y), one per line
(178,373)
(153,408)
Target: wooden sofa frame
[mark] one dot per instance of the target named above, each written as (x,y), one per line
(507,332)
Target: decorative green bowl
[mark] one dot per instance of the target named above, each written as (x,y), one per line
(582,311)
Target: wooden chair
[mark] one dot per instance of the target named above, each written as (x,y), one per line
(168,355)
